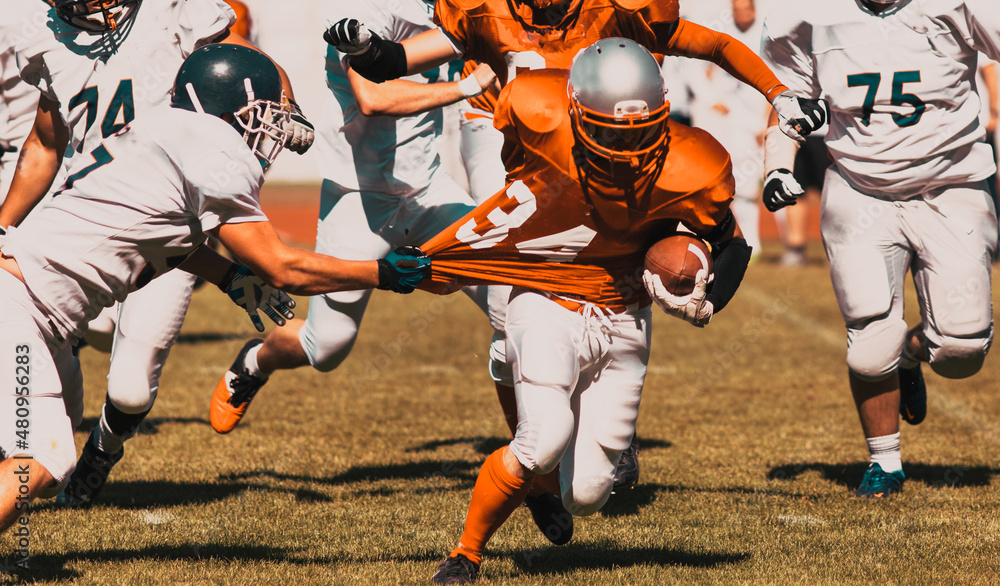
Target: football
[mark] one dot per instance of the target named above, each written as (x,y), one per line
(677,260)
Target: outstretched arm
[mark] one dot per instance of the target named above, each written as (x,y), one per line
(798,116)
(302,272)
(401,97)
(380,60)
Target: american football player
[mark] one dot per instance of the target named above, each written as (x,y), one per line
(84,250)
(99,64)
(597,173)
(519,35)
(906,193)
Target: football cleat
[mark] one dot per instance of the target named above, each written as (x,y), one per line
(627,473)
(878,484)
(456,569)
(552,518)
(234,392)
(91,473)
(912,395)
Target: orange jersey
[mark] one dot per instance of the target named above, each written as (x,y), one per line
(545,231)
(501,34)
(244,22)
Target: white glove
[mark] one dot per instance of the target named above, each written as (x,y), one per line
(251,293)
(300,131)
(797,117)
(348,35)
(692,308)
(780,190)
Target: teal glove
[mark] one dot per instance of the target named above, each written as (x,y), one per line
(402,269)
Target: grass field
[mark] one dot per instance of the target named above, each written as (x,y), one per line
(750,448)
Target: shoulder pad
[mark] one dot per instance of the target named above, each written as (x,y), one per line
(539,100)
(694,157)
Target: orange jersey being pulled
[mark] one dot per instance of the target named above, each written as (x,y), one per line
(545,231)
(507,36)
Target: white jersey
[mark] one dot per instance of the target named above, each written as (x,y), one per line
(102,81)
(901,86)
(377,153)
(141,206)
(18,102)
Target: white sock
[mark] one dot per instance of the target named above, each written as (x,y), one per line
(885,452)
(251,362)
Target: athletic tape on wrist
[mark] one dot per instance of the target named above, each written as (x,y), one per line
(470,87)
(779,150)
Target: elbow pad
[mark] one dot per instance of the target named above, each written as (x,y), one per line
(384,60)
(731,260)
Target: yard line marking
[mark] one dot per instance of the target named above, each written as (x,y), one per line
(941,400)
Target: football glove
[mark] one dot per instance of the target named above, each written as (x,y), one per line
(6,147)
(692,308)
(300,131)
(402,269)
(251,293)
(349,36)
(797,117)
(781,189)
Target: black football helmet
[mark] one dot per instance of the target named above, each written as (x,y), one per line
(95,15)
(243,87)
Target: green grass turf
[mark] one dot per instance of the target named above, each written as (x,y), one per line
(750,448)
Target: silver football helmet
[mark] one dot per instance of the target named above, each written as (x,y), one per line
(618,103)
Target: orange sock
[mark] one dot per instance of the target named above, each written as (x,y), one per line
(496,494)
(508,403)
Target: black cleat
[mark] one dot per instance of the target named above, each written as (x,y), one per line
(91,473)
(627,473)
(456,569)
(912,395)
(551,516)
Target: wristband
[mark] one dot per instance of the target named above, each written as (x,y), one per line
(470,87)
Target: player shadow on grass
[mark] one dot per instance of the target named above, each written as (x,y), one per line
(135,495)
(149,426)
(53,566)
(461,473)
(608,556)
(850,475)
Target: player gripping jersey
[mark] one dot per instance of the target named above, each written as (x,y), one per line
(143,207)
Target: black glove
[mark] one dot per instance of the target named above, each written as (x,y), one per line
(781,189)
(6,147)
(372,57)
(402,269)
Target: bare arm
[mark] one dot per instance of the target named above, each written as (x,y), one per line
(428,50)
(38,164)
(992,96)
(400,97)
(292,270)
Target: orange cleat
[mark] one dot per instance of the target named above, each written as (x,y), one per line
(234,392)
